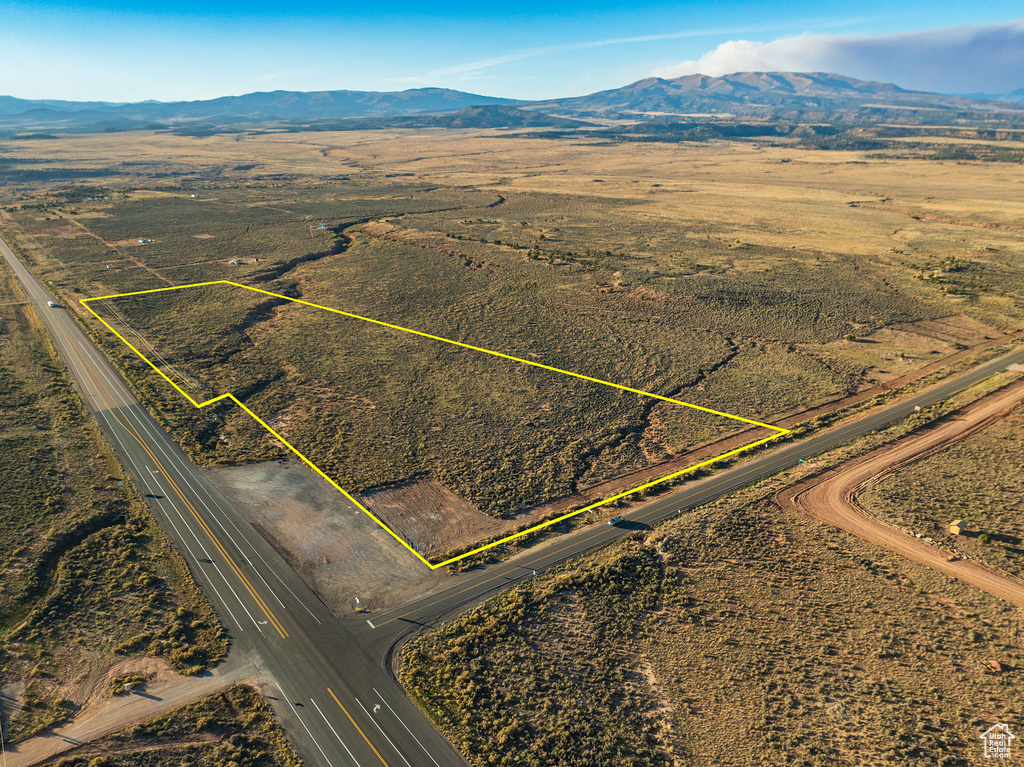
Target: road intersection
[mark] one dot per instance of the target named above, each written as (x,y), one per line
(331,678)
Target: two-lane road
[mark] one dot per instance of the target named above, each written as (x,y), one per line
(388,629)
(339,706)
(338,701)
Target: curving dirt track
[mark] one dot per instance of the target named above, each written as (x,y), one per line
(831,496)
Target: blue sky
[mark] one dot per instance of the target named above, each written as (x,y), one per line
(129,51)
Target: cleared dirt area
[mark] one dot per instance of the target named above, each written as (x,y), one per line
(831,497)
(339,551)
(429,516)
(958,330)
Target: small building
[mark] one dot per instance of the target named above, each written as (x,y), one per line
(957,527)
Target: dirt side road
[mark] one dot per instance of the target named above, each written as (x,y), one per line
(831,496)
(110,714)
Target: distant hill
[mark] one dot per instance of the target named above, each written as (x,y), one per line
(1016,96)
(275,106)
(9,105)
(497,116)
(789,95)
(795,96)
(482,116)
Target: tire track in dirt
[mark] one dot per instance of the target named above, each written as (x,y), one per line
(830,497)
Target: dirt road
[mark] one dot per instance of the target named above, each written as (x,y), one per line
(831,496)
(111,714)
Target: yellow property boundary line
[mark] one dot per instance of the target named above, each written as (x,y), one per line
(779,431)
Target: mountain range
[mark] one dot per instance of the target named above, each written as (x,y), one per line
(252,107)
(785,95)
(762,95)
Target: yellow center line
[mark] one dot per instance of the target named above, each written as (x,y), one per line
(138,438)
(357,727)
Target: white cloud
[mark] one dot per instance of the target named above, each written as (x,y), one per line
(965,59)
(531,53)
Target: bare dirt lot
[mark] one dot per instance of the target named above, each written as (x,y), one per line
(429,516)
(339,551)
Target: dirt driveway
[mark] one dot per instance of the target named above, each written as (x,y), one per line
(104,714)
(831,497)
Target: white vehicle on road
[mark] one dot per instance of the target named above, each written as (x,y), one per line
(53,304)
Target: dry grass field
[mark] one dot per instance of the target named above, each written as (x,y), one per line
(86,577)
(754,279)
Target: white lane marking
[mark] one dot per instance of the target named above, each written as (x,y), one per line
(273,570)
(213,586)
(172,458)
(377,725)
(287,700)
(351,755)
(371,623)
(76,363)
(184,540)
(220,572)
(97,361)
(220,524)
(402,722)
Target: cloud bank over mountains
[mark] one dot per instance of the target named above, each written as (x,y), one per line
(963,59)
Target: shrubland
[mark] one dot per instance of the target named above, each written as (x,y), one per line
(234,727)
(86,575)
(749,278)
(734,635)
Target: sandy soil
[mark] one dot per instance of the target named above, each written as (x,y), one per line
(102,714)
(339,551)
(430,517)
(831,497)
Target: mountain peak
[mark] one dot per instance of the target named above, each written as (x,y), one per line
(769,95)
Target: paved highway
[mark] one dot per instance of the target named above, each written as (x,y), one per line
(339,706)
(392,627)
(338,701)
